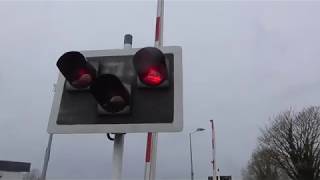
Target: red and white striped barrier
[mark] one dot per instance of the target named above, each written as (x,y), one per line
(152,139)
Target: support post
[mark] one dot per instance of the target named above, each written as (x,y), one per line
(117,156)
(119,138)
(191,161)
(214,172)
(154,156)
(46,159)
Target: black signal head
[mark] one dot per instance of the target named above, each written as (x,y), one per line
(150,65)
(77,71)
(110,93)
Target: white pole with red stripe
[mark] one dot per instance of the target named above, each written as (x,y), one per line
(148,157)
(213,151)
(152,139)
(159,24)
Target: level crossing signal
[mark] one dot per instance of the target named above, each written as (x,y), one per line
(118,91)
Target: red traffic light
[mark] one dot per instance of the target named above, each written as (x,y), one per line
(78,72)
(150,64)
(110,93)
(153,77)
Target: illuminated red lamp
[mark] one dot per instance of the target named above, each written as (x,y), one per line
(77,71)
(150,65)
(153,77)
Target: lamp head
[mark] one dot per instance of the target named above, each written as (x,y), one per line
(200,129)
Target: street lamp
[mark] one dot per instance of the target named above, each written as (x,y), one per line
(197,130)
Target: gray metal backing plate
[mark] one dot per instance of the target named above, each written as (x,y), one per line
(148,105)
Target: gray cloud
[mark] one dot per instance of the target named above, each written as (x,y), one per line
(243,63)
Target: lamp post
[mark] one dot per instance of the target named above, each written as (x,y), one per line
(197,130)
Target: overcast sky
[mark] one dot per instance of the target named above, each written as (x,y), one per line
(243,63)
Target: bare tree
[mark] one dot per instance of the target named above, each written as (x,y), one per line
(261,167)
(293,140)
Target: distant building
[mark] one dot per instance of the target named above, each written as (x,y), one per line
(221,178)
(10,170)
